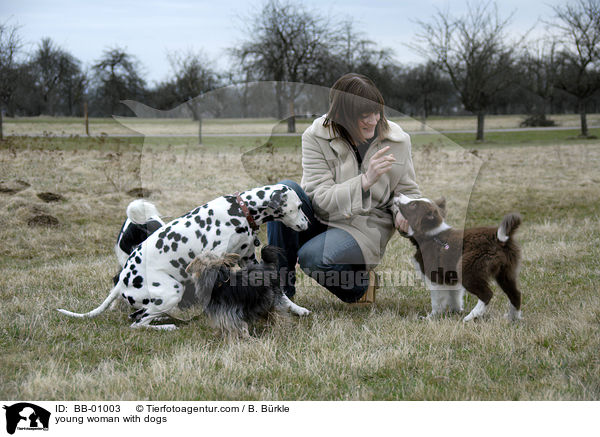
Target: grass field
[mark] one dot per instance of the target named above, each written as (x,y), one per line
(338,353)
(39,126)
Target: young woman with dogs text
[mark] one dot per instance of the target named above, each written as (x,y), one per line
(354,161)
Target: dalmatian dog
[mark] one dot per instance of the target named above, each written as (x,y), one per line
(153,277)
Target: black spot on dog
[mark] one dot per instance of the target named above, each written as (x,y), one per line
(166,249)
(158,302)
(227,224)
(146,301)
(184,240)
(159,244)
(126,280)
(182,262)
(123,294)
(156,284)
(235,222)
(218,232)
(208,221)
(137,282)
(248,197)
(183,273)
(131,266)
(137,314)
(131,300)
(234,209)
(243,246)
(175,222)
(261,194)
(174,263)
(241,230)
(204,241)
(174,247)
(134,272)
(215,244)
(198,233)
(163,234)
(191,254)
(138,260)
(211,212)
(217,223)
(188,224)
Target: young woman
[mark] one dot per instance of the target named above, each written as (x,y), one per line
(354,161)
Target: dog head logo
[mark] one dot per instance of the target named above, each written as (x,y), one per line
(26,416)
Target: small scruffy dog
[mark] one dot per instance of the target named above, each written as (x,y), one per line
(234,297)
(453,260)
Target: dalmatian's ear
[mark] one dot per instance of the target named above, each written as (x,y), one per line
(277,198)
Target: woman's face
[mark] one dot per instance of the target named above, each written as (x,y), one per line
(367,124)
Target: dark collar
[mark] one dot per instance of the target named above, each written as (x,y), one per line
(442,243)
(246,212)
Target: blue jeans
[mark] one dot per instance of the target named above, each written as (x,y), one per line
(331,256)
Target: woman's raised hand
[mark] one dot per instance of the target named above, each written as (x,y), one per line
(379,164)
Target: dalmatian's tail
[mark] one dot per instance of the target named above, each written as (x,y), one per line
(114,293)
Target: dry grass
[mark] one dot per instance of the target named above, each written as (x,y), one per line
(340,352)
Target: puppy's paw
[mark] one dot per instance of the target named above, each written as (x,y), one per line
(513,315)
(300,311)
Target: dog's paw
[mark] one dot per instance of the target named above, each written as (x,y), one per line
(513,315)
(301,311)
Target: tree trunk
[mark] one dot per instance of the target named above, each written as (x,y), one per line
(291,121)
(583,118)
(480,121)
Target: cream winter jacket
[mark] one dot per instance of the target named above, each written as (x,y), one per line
(332,180)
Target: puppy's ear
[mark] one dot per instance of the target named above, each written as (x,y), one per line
(270,254)
(441,203)
(277,198)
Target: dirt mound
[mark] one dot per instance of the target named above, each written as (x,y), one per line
(44,220)
(12,187)
(139,192)
(50,197)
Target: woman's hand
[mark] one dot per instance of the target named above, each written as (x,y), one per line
(378,165)
(401,223)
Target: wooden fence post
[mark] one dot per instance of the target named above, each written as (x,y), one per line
(199,128)
(85,114)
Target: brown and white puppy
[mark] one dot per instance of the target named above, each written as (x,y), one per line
(452,260)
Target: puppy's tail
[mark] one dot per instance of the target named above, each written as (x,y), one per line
(510,223)
(140,211)
(111,297)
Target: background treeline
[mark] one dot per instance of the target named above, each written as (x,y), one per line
(471,64)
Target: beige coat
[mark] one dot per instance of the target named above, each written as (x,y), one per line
(332,180)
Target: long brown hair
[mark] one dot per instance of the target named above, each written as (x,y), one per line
(351,96)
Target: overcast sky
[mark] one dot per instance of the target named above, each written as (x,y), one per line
(150,29)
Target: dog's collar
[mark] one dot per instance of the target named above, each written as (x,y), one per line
(248,216)
(442,243)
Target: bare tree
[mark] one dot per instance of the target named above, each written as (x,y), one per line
(194,75)
(579,56)
(285,43)
(536,70)
(474,50)
(10,44)
(52,69)
(117,77)
(425,86)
